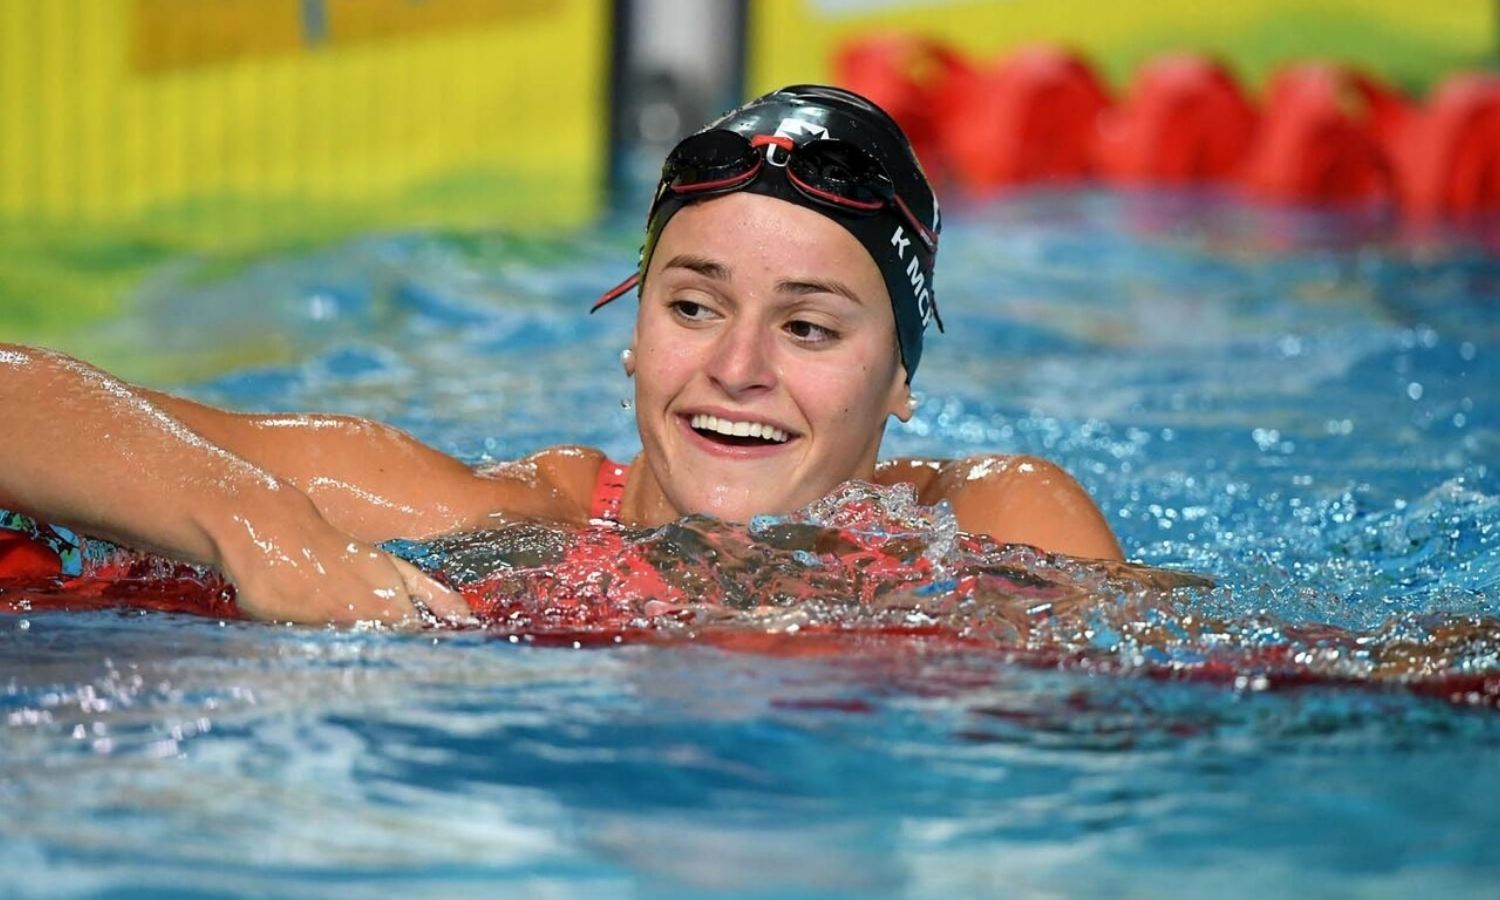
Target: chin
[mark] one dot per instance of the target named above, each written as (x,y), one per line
(738,504)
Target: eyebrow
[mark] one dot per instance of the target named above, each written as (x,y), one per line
(717,271)
(702,265)
(818,286)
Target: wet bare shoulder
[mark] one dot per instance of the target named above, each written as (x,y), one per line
(989,472)
(940,479)
(923,473)
(556,483)
(1024,500)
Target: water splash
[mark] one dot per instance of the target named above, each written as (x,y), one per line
(868,562)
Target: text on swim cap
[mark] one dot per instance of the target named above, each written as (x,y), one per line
(900,242)
(919,290)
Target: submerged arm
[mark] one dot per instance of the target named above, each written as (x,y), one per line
(86,450)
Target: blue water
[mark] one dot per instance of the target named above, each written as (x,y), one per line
(1303,406)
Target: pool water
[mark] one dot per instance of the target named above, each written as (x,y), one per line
(1301,406)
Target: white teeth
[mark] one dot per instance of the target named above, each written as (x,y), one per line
(703,422)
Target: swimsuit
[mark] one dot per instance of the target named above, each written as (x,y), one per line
(609,491)
(605,578)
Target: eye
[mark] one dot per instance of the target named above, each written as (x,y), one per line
(810,332)
(691,310)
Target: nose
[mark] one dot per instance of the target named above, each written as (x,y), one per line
(741,359)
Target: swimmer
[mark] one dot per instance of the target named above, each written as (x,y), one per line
(785,285)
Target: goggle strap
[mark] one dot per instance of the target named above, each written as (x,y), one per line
(762,140)
(616,292)
(923,231)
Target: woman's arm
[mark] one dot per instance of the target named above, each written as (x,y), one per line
(378,482)
(84,449)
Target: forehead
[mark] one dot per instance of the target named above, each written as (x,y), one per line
(758,236)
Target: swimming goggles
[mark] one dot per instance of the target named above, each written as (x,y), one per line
(829,172)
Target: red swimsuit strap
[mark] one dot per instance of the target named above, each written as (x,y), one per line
(609,491)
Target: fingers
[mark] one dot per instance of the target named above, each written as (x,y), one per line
(305,571)
(367,586)
(442,604)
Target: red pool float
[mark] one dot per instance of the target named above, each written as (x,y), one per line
(1030,119)
(1449,160)
(1184,121)
(1320,140)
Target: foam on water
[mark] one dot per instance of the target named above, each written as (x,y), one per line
(870,560)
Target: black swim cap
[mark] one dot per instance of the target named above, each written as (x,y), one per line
(888,207)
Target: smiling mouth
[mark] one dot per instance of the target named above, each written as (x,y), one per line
(737,433)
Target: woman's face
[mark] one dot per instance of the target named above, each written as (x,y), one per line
(765,360)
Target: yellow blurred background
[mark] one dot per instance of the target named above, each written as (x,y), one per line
(133,131)
(116,109)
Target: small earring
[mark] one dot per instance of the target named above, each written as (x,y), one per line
(627,361)
(912,403)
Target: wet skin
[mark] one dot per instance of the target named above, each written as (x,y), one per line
(760,312)
(757,315)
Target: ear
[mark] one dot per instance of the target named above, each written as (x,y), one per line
(627,357)
(898,401)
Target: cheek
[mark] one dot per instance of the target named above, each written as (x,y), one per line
(844,398)
(661,369)
(866,383)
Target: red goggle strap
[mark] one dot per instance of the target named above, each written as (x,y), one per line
(616,292)
(762,140)
(923,231)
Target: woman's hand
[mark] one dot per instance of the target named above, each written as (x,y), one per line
(289,565)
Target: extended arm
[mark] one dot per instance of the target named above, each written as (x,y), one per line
(86,450)
(366,478)
(378,482)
